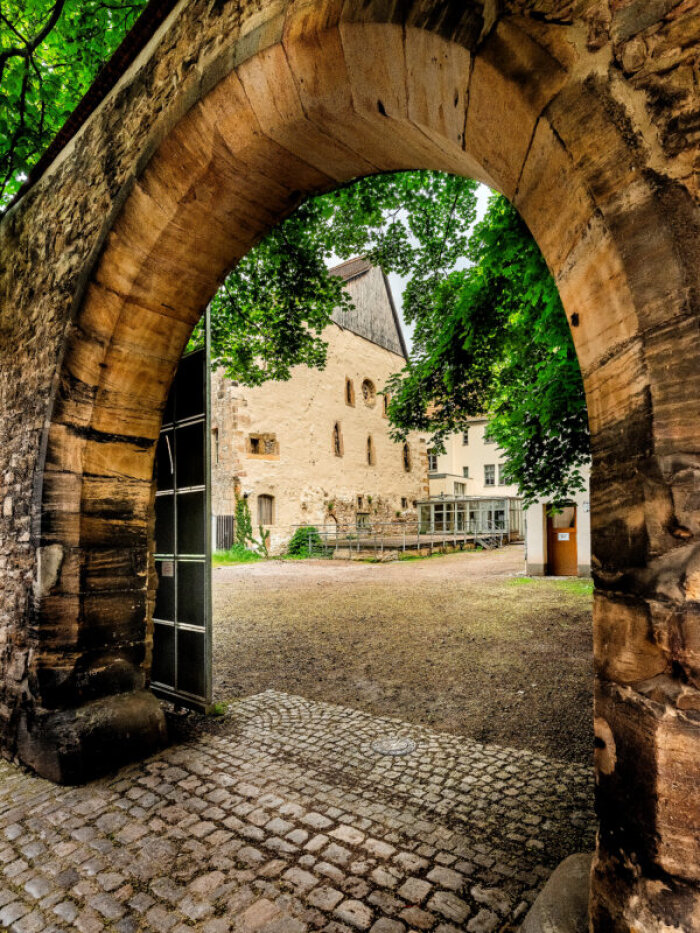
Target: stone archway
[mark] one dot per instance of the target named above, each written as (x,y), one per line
(229,117)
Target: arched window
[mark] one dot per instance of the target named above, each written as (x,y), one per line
(407,458)
(369,393)
(370,451)
(337,440)
(265,510)
(349,393)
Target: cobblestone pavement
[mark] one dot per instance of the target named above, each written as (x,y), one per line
(280,818)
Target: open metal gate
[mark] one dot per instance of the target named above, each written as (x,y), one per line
(181,669)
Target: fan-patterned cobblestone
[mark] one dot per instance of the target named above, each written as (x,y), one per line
(280,818)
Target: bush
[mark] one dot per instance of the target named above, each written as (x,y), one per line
(304,542)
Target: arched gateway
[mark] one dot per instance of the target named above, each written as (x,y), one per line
(582,114)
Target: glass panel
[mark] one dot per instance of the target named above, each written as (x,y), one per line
(566,518)
(169,412)
(165,461)
(189,392)
(190,590)
(163,670)
(265,510)
(165,594)
(190,662)
(190,523)
(189,455)
(165,525)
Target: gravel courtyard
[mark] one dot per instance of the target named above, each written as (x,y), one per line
(460,643)
(391,761)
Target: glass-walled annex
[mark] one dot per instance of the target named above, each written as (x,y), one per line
(472,515)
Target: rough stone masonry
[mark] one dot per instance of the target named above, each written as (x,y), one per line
(281,818)
(585,114)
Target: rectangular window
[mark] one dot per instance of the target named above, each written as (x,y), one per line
(501,471)
(465,472)
(460,489)
(465,437)
(490,474)
(363,519)
(404,502)
(265,504)
(263,445)
(432,461)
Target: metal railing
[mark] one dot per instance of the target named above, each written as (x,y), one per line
(387,538)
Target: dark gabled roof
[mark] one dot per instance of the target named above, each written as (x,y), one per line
(351,268)
(374,315)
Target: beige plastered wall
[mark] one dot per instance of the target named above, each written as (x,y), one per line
(310,484)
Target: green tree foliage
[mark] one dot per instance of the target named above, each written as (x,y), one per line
(50,53)
(494,339)
(271,312)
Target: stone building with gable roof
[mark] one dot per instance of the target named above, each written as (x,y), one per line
(316,450)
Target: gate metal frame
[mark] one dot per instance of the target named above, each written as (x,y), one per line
(172,691)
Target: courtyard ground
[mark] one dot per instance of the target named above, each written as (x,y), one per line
(460,643)
(283,817)
(292,814)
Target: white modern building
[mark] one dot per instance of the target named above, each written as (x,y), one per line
(468,489)
(471,466)
(559,544)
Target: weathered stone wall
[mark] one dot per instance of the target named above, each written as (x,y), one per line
(584,114)
(309,483)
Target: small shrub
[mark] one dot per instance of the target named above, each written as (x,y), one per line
(304,542)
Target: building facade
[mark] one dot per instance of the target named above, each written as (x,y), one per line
(471,465)
(559,544)
(316,450)
(467,486)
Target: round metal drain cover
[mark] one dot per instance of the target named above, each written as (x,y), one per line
(393,745)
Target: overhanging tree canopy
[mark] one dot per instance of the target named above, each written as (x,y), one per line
(50,53)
